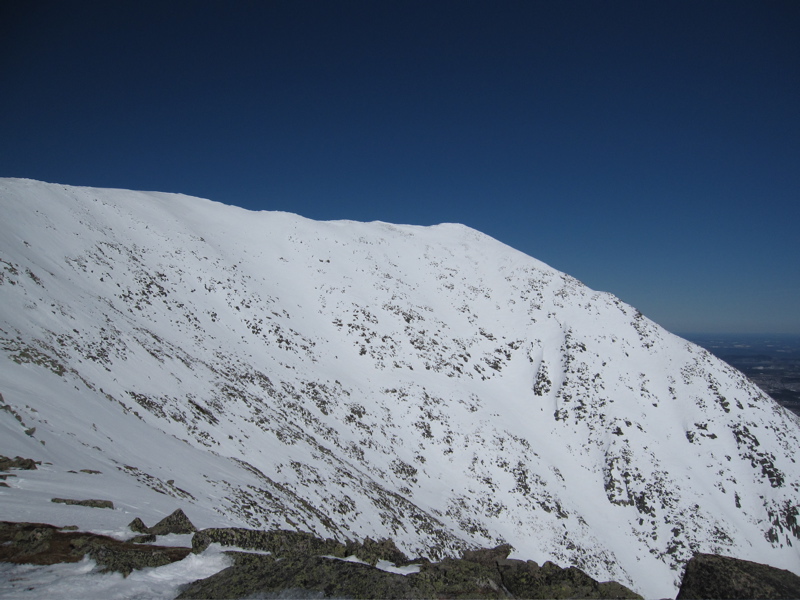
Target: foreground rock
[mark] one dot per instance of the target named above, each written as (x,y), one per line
(291,543)
(300,564)
(712,576)
(177,522)
(41,544)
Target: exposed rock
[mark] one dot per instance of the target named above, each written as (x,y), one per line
(455,578)
(526,579)
(19,541)
(256,575)
(138,526)
(487,556)
(303,576)
(302,565)
(18,462)
(41,544)
(91,503)
(372,551)
(177,522)
(124,557)
(714,576)
(144,538)
(279,542)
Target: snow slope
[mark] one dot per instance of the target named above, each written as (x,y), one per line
(428,384)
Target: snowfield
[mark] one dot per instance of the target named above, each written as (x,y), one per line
(427,384)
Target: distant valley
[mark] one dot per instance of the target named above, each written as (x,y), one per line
(772,362)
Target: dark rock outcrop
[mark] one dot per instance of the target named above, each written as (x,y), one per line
(372,551)
(487,556)
(125,557)
(716,577)
(90,503)
(138,526)
(177,522)
(42,544)
(258,575)
(18,462)
(526,579)
(278,542)
(302,565)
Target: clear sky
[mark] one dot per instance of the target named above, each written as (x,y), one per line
(649,148)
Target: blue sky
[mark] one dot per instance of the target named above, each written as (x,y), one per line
(650,149)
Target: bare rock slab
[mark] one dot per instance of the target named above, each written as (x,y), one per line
(712,576)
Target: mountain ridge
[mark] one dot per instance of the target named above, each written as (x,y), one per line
(430,385)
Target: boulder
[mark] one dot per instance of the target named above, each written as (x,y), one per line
(90,503)
(713,576)
(124,557)
(42,544)
(526,579)
(177,522)
(7,463)
(138,526)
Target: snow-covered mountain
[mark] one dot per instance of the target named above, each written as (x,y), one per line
(427,384)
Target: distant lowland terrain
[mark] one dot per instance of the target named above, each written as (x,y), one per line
(772,362)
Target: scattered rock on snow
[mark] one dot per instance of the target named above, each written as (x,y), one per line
(90,503)
(7,463)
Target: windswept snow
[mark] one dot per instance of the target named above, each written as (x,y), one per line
(80,580)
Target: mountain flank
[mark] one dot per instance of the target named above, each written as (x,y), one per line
(427,385)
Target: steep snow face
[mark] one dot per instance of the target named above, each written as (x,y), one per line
(427,384)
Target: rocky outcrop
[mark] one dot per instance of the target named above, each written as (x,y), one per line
(258,575)
(91,503)
(292,563)
(278,542)
(18,462)
(301,564)
(138,526)
(526,579)
(302,576)
(42,544)
(177,522)
(712,576)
